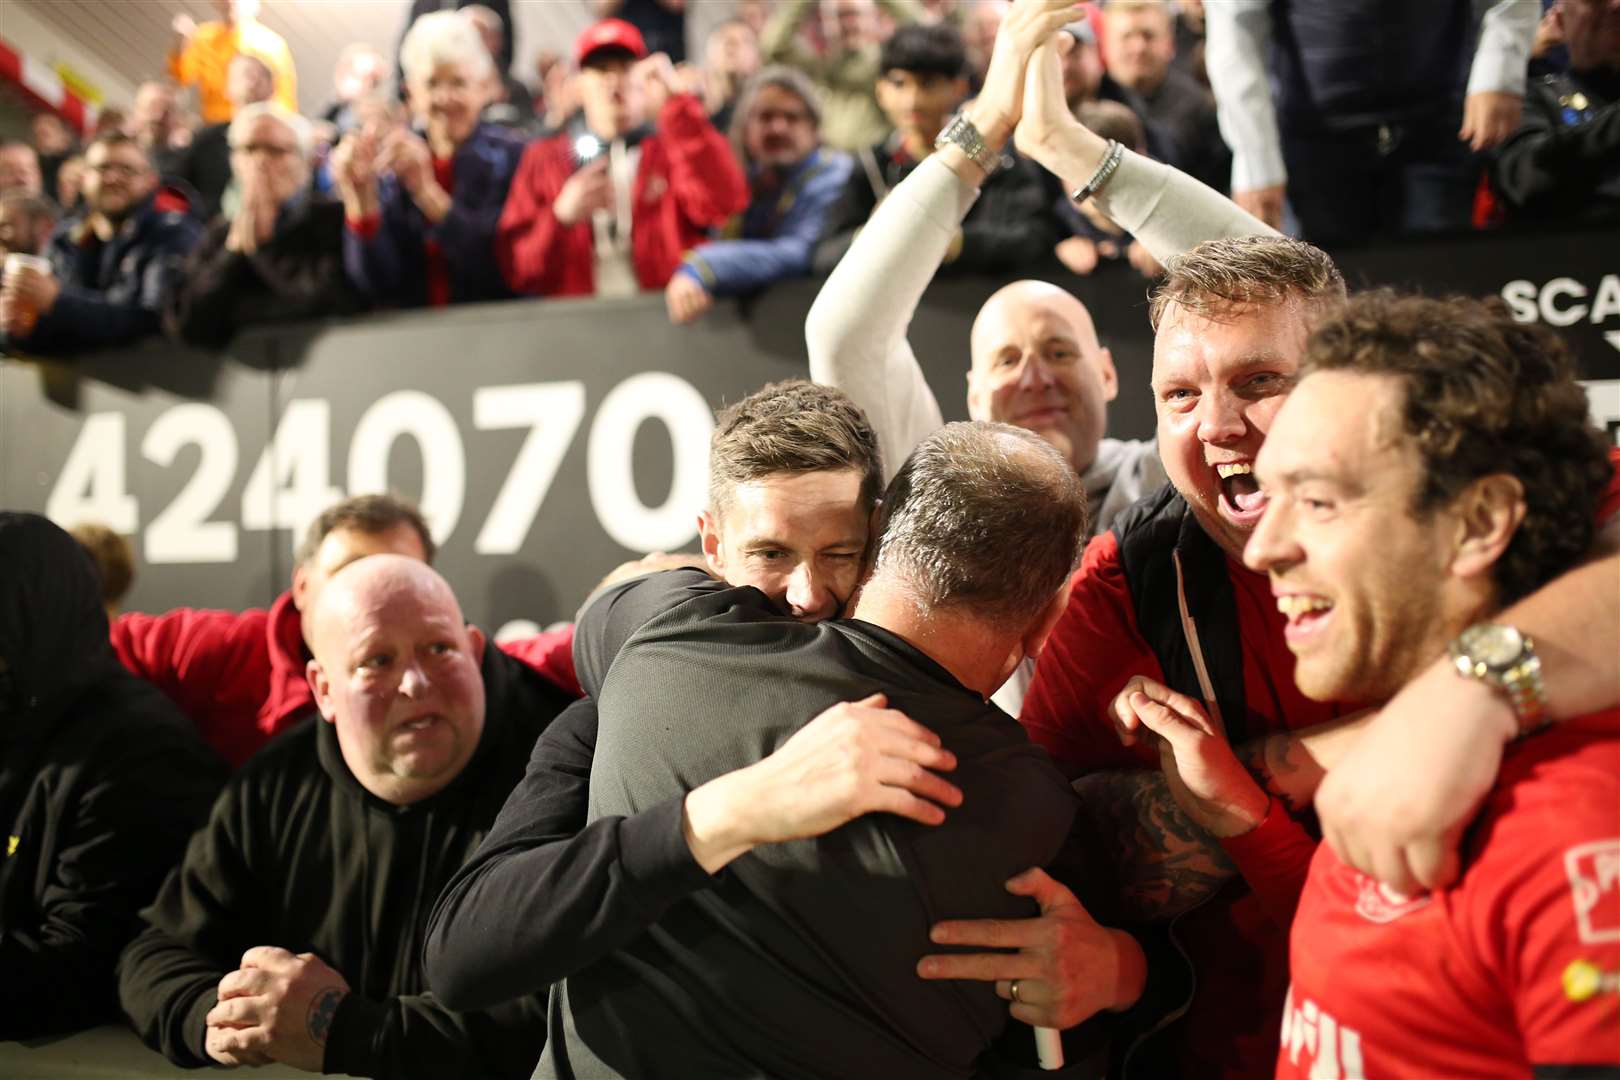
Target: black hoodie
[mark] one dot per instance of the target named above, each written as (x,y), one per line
(298,854)
(101,781)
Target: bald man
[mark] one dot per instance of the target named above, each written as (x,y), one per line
(290,933)
(1036,360)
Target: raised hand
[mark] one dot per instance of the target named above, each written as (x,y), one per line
(1028,25)
(354,170)
(1206,778)
(588,190)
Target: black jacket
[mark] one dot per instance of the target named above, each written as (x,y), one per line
(101,781)
(206,166)
(1564,159)
(297,274)
(112,293)
(1010,225)
(298,854)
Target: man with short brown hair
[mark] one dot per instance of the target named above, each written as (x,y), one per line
(111,265)
(763,970)
(1436,462)
(240,675)
(1141,46)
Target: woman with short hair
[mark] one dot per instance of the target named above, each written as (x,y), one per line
(421,204)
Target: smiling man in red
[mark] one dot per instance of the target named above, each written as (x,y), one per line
(1436,463)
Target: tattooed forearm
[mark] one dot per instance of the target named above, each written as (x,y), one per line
(1291,764)
(1165,862)
(1283,768)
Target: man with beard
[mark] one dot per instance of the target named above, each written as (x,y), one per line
(1163,606)
(111,265)
(794,179)
(1436,462)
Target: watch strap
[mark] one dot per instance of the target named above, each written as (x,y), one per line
(962,134)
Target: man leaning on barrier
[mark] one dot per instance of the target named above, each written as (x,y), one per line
(290,933)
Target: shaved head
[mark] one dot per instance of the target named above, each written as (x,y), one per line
(396,672)
(369,583)
(1037,364)
(1016,302)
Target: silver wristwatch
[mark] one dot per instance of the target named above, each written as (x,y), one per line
(961,134)
(1502,657)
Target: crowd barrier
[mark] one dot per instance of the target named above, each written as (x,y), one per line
(526,429)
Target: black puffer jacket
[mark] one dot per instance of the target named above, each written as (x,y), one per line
(102,780)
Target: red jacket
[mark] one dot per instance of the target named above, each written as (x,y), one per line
(240,675)
(687,182)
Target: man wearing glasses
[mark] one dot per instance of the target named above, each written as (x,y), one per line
(107,268)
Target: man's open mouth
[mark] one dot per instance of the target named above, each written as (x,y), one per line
(1306,614)
(1241,496)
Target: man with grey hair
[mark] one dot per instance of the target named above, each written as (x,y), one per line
(696,682)
(279,257)
(206,165)
(792,179)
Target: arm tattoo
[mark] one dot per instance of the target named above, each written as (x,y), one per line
(1284,767)
(1165,862)
(321,1011)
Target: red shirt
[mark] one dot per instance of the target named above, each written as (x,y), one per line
(687,182)
(239,675)
(1516,965)
(436,268)
(1237,943)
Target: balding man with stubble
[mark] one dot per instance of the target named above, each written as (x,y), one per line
(291,932)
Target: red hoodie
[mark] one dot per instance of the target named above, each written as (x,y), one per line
(239,675)
(687,182)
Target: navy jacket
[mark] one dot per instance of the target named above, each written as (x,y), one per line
(112,293)
(773,238)
(389,263)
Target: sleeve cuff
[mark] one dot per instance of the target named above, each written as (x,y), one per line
(365,228)
(698,269)
(1258,167)
(653,851)
(1274,858)
(349,1044)
(943,197)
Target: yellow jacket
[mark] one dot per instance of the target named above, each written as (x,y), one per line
(203,61)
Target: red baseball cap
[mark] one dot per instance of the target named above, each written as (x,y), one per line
(609,34)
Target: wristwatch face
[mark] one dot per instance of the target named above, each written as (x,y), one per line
(1497,647)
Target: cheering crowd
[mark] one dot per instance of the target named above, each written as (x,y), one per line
(626,168)
(1286,743)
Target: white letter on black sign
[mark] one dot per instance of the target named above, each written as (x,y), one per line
(650,395)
